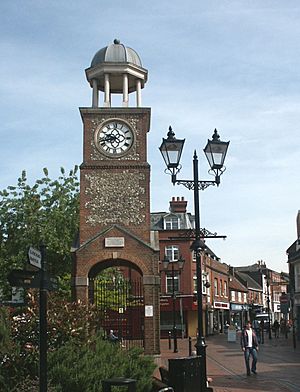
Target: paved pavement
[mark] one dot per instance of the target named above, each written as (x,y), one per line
(278,365)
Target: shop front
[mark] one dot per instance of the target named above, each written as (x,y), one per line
(220,316)
(239,314)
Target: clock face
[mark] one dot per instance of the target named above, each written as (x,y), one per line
(114,138)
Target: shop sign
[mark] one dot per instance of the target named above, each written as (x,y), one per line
(221,305)
(239,307)
(231,334)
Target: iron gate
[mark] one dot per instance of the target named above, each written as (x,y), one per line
(121,304)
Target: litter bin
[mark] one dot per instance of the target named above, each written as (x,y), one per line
(130,383)
(184,374)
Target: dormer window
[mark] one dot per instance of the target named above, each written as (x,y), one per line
(171,222)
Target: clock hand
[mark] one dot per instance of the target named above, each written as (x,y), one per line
(109,138)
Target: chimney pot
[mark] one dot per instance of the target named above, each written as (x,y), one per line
(178,205)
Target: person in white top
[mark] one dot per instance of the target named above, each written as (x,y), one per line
(249,344)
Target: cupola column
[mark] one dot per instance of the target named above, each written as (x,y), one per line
(95,102)
(106,91)
(125,90)
(138,93)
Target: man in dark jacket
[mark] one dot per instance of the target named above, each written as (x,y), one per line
(249,344)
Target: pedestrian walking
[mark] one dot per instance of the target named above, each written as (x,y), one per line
(262,331)
(276,328)
(249,344)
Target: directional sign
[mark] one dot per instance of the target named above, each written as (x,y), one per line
(35,257)
(51,283)
(24,278)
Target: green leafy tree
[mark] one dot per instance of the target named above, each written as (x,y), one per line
(45,212)
(111,281)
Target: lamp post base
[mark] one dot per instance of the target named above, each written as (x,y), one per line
(175,339)
(201,351)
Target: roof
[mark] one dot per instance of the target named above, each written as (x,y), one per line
(251,283)
(185,218)
(293,251)
(249,268)
(235,284)
(116,53)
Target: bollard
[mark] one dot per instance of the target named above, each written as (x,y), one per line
(190,346)
(170,340)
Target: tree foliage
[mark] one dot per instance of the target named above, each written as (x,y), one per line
(45,212)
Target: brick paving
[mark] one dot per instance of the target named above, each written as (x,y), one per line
(278,365)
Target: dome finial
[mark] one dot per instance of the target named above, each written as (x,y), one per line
(116,41)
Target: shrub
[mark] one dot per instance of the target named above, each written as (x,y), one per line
(80,368)
(19,353)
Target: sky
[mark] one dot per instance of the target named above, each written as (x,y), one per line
(226,64)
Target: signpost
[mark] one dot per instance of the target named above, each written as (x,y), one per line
(43,323)
(37,279)
(24,278)
(35,257)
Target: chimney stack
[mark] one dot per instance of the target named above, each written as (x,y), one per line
(178,204)
(298,224)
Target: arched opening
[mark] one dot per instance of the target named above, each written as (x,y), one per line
(116,289)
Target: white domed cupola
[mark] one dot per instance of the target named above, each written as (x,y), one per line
(116,69)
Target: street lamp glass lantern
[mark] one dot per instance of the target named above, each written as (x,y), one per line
(180,262)
(171,150)
(165,263)
(216,151)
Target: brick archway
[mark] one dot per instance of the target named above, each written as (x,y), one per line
(142,259)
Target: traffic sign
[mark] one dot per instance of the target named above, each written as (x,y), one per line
(24,278)
(284,303)
(35,257)
(284,298)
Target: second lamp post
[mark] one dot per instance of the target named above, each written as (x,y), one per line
(179,264)
(215,151)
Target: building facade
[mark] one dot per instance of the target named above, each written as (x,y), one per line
(293,253)
(175,231)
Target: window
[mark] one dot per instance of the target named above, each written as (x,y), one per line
(232,295)
(172,223)
(205,290)
(225,289)
(239,296)
(194,255)
(172,252)
(245,297)
(276,295)
(195,283)
(169,282)
(216,286)
(221,288)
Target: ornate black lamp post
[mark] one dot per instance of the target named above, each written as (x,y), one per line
(215,151)
(179,263)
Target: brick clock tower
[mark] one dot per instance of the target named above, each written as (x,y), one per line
(115,184)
